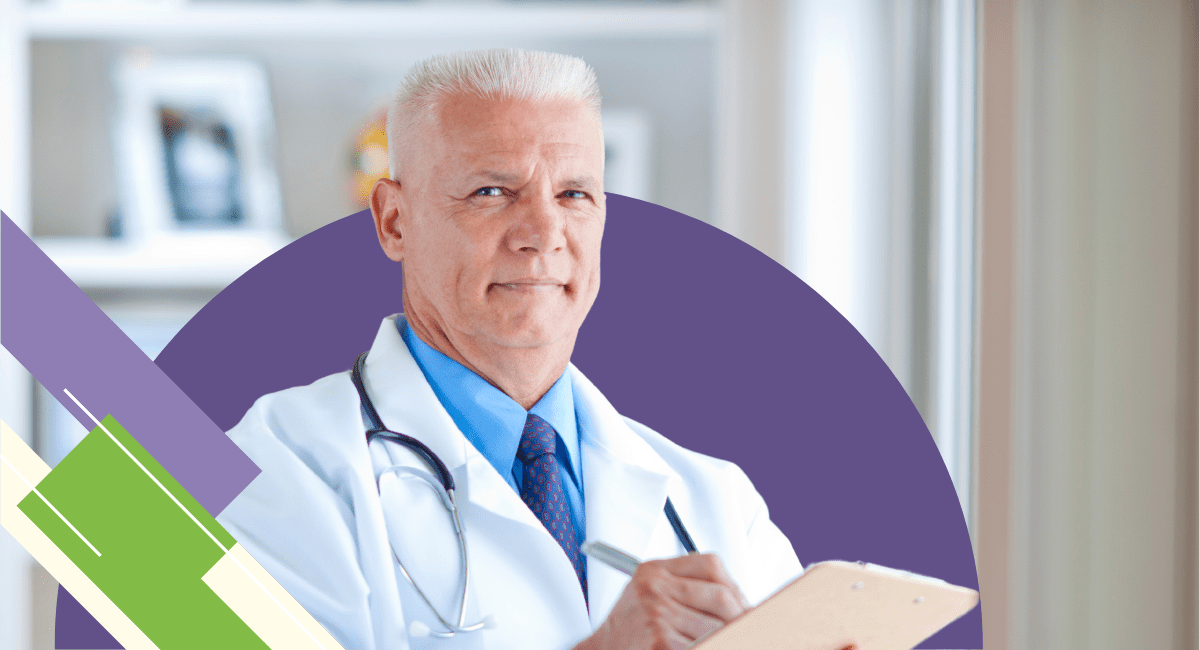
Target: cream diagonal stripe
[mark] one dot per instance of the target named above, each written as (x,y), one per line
(256,597)
(50,505)
(280,605)
(12,490)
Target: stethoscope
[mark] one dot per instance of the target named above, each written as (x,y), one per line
(377,430)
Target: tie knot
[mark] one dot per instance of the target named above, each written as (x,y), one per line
(537,438)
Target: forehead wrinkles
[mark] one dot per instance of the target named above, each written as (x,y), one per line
(500,163)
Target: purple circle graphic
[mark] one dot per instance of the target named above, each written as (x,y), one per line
(695,333)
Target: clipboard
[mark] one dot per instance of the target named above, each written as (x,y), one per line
(836,604)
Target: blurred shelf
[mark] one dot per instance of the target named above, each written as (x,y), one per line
(177,261)
(273,20)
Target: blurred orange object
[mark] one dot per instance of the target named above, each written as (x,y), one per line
(369,160)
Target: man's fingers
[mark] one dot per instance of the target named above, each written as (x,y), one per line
(694,624)
(670,603)
(712,598)
(701,566)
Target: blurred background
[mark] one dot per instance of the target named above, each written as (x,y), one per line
(1000,195)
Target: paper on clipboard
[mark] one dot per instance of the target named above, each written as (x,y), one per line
(837,604)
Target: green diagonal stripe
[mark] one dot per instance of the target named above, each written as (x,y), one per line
(153,554)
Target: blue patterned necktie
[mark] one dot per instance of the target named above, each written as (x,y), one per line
(542,490)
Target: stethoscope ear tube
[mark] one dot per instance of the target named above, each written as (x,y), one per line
(356,377)
(378,430)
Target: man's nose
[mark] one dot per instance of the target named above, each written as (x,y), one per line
(539,226)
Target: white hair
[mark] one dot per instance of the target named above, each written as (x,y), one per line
(488,74)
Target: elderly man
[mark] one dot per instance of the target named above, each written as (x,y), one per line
(496,209)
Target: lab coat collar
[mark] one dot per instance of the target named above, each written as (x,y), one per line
(405,401)
(497,419)
(408,405)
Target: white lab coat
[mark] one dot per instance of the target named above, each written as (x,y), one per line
(315,519)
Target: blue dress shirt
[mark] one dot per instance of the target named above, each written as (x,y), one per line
(493,421)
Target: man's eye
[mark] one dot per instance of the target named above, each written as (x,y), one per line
(489,191)
(574,194)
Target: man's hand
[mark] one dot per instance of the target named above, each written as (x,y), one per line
(668,604)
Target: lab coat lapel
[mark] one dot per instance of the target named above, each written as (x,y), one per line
(625,488)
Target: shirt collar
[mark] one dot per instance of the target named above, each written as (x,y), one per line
(489,418)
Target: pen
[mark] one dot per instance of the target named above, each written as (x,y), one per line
(619,560)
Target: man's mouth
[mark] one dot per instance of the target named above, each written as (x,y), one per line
(530,285)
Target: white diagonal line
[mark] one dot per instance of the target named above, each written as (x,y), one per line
(51,506)
(143,467)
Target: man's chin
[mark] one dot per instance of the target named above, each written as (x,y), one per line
(528,341)
(532,335)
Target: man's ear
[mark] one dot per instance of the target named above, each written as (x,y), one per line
(386,208)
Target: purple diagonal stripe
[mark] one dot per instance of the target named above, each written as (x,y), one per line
(63,338)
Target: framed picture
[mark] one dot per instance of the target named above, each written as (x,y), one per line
(195,146)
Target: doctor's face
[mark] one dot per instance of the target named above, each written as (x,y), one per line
(499,216)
